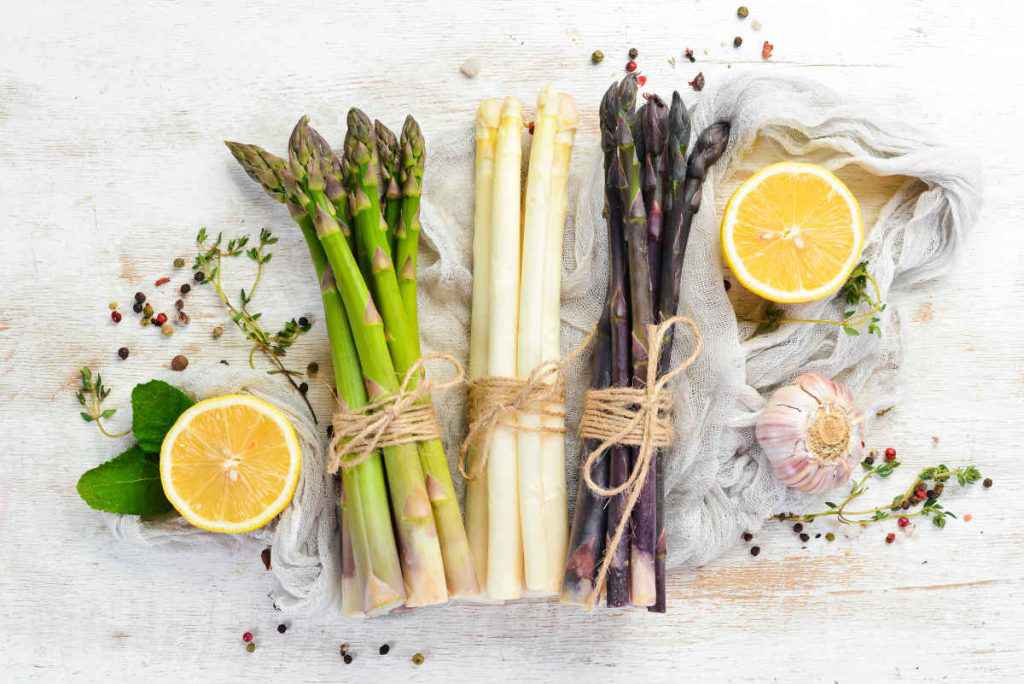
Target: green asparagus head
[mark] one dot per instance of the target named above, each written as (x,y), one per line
(270,171)
(388,152)
(413,158)
(306,151)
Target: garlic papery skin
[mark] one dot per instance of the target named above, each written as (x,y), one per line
(811,433)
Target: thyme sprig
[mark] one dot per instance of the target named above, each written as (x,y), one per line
(860,290)
(908,504)
(274,346)
(91,396)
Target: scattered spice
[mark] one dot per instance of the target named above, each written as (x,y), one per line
(766,50)
(265,557)
(698,82)
(890,455)
(161,318)
(968,517)
(144,321)
(179,262)
(742,12)
(199,276)
(185,288)
(641,80)
(830,536)
(754,550)
(470,68)
(747,536)
(596,57)
(756,25)
(304,323)
(140,297)
(417,658)
(384,649)
(347,658)
(123,353)
(247,637)
(147,310)
(737,41)
(251,647)
(303,387)
(217,332)
(890,538)
(903,522)
(112,306)
(183,318)
(804,536)
(987,483)
(633,53)
(115,316)
(167,329)
(312,369)
(343,649)
(179,363)
(798,527)
(137,307)
(162,281)
(282,628)
(180,304)
(630,66)
(688,54)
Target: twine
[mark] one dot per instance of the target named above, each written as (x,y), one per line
(498,401)
(634,416)
(404,417)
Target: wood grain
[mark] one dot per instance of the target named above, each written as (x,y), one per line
(111,121)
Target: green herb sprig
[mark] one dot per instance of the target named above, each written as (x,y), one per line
(91,396)
(906,504)
(273,346)
(860,290)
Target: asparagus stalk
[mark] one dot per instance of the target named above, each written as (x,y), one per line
(417,534)
(504,549)
(361,160)
(352,580)
(530,336)
(655,133)
(407,236)
(643,534)
(620,97)
(555,502)
(487,120)
(674,174)
(586,544)
(391,193)
(377,573)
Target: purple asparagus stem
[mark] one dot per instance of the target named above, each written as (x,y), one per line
(654,125)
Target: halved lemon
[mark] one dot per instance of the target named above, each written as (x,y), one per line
(231,463)
(792,233)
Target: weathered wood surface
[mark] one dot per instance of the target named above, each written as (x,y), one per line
(111,117)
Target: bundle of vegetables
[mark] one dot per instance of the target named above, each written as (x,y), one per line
(403,539)
(516,496)
(652,192)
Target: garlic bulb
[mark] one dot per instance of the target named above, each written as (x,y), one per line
(811,433)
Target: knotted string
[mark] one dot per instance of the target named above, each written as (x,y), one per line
(403,417)
(634,416)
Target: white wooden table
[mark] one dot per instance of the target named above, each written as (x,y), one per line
(111,121)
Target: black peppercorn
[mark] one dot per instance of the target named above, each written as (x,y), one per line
(282,628)
(804,536)
(313,368)
(185,288)
(140,297)
(747,536)
(347,658)
(303,388)
(137,307)
(737,41)
(384,649)
(180,304)
(798,527)
(987,482)
(303,322)
(754,550)
(199,276)
(123,353)
(633,53)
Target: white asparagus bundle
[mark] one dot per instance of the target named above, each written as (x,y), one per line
(487,122)
(504,547)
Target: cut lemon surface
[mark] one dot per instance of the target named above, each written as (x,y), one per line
(792,233)
(230,464)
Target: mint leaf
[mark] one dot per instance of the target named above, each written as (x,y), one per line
(128,483)
(155,407)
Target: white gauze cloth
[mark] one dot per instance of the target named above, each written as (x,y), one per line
(718,483)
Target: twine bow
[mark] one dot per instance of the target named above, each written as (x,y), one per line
(402,417)
(634,416)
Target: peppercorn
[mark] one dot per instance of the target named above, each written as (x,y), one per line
(147,310)
(123,353)
(112,306)
(869,461)
(247,637)
(747,536)
(217,332)
(343,649)
(199,276)
(183,318)
(303,387)
(144,321)
(930,493)
(903,522)
(115,316)
(167,329)
(303,322)
(698,82)
(282,628)
(890,538)
(890,454)
(829,536)
(179,363)
(920,495)
(180,304)
(384,649)
(596,57)
(161,318)
(417,659)
(688,54)
(818,536)
(804,536)
(312,369)
(987,482)
(630,66)
(754,550)
(179,263)
(250,647)
(742,12)
(185,288)
(737,41)
(641,80)
(137,307)
(347,658)
(140,297)
(633,53)
(938,489)
(798,527)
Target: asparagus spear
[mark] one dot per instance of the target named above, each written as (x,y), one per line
(417,534)
(587,541)
(391,193)
(361,160)
(407,236)
(377,573)
(655,133)
(620,97)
